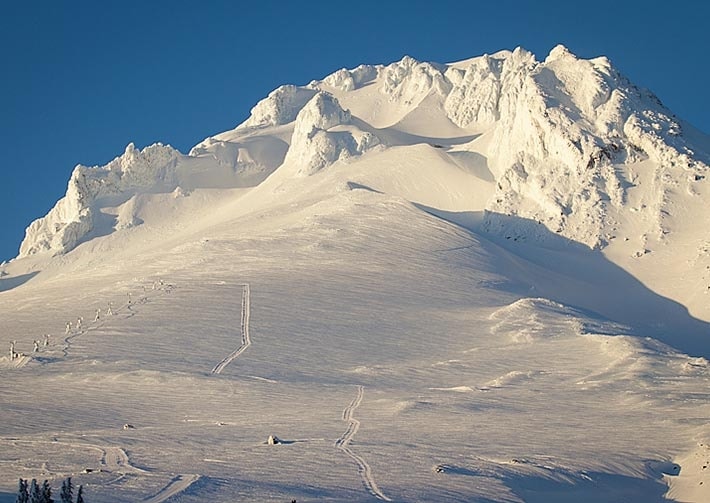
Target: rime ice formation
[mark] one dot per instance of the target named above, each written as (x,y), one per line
(316,144)
(280,107)
(564,140)
(72,218)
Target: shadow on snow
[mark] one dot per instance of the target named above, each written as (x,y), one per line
(554,267)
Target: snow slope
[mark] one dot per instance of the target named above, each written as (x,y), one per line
(481,281)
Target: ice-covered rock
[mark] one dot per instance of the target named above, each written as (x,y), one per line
(475,92)
(72,218)
(281,106)
(410,81)
(559,131)
(349,80)
(323,133)
(565,127)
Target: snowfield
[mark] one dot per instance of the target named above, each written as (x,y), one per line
(477,282)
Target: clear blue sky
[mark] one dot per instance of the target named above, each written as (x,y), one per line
(79,80)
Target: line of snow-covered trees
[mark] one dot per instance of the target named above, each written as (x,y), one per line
(34,493)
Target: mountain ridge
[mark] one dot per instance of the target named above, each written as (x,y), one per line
(568,146)
(556,130)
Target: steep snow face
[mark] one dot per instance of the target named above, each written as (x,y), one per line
(224,161)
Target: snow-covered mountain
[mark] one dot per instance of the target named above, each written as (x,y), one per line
(567,143)
(437,245)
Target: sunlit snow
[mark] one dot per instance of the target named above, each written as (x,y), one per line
(485,281)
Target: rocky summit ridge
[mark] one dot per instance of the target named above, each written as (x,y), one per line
(563,141)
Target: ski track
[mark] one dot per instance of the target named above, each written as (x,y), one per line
(177,485)
(116,460)
(246,340)
(113,459)
(344,441)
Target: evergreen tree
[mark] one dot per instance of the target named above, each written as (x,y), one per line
(23,496)
(65,496)
(35,494)
(80,495)
(46,492)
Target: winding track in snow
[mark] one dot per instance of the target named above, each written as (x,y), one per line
(344,441)
(246,340)
(116,460)
(177,485)
(113,458)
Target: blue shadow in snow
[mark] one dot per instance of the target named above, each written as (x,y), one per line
(551,266)
(15,281)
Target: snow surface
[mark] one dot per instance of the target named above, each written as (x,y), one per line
(480,281)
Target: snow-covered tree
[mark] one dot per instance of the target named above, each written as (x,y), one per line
(35,493)
(23,495)
(80,495)
(65,496)
(46,493)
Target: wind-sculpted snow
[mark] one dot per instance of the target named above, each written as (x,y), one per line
(214,163)
(280,107)
(349,80)
(315,145)
(475,92)
(562,142)
(72,217)
(410,80)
